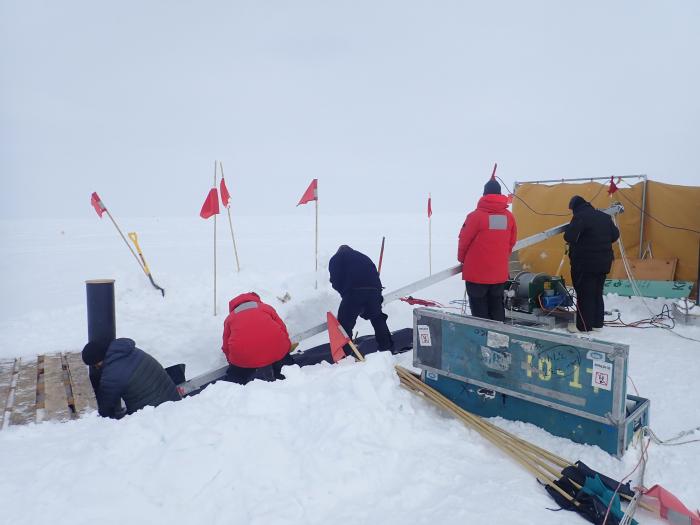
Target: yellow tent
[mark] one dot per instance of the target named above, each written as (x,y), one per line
(670,224)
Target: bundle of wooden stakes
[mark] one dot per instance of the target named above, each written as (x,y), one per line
(549,469)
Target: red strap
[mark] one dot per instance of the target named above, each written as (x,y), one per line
(423,302)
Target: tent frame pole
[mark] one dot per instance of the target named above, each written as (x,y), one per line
(581,179)
(642,216)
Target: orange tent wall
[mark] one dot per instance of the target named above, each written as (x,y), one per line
(673,205)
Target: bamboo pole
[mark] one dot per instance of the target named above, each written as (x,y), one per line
(230,224)
(316,243)
(356,351)
(420,386)
(381,257)
(540,473)
(561,264)
(497,435)
(215,245)
(534,450)
(235,251)
(487,429)
(430,241)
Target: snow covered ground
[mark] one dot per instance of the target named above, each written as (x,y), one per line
(331,444)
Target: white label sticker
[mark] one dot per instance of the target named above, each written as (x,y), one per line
(527,346)
(495,359)
(602,375)
(595,356)
(424,335)
(431,375)
(496,340)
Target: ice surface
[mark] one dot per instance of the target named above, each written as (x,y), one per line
(331,444)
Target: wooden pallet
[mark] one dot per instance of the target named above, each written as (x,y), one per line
(51,387)
(645,269)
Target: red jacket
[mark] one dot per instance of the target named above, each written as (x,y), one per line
(254,335)
(486,241)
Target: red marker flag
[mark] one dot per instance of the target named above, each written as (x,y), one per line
(97,204)
(669,506)
(338,337)
(225,195)
(613,187)
(211,204)
(311,193)
(430,207)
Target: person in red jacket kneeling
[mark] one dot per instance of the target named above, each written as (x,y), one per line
(255,342)
(486,241)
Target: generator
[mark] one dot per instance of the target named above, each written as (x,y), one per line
(538,299)
(529,291)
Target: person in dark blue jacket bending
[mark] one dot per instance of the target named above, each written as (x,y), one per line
(122,371)
(354,276)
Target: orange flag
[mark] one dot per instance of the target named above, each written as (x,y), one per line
(338,337)
(311,193)
(211,204)
(97,204)
(225,195)
(670,506)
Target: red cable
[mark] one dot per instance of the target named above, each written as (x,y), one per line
(619,484)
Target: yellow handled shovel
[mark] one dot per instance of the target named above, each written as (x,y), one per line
(135,239)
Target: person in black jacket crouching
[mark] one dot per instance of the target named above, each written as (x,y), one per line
(122,371)
(590,235)
(355,277)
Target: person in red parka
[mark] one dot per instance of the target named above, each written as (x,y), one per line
(255,342)
(486,241)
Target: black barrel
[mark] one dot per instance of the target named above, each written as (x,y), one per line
(102,324)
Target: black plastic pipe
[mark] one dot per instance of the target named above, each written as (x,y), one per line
(102,325)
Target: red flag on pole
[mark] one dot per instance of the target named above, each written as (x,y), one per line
(381,257)
(211,204)
(97,204)
(430,207)
(669,506)
(338,337)
(225,195)
(311,193)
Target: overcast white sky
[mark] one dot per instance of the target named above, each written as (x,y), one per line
(382,101)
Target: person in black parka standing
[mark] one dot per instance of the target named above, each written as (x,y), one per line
(590,235)
(122,371)
(355,277)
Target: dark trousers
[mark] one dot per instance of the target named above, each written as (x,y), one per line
(590,310)
(486,300)
(366,303)
(242,376)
